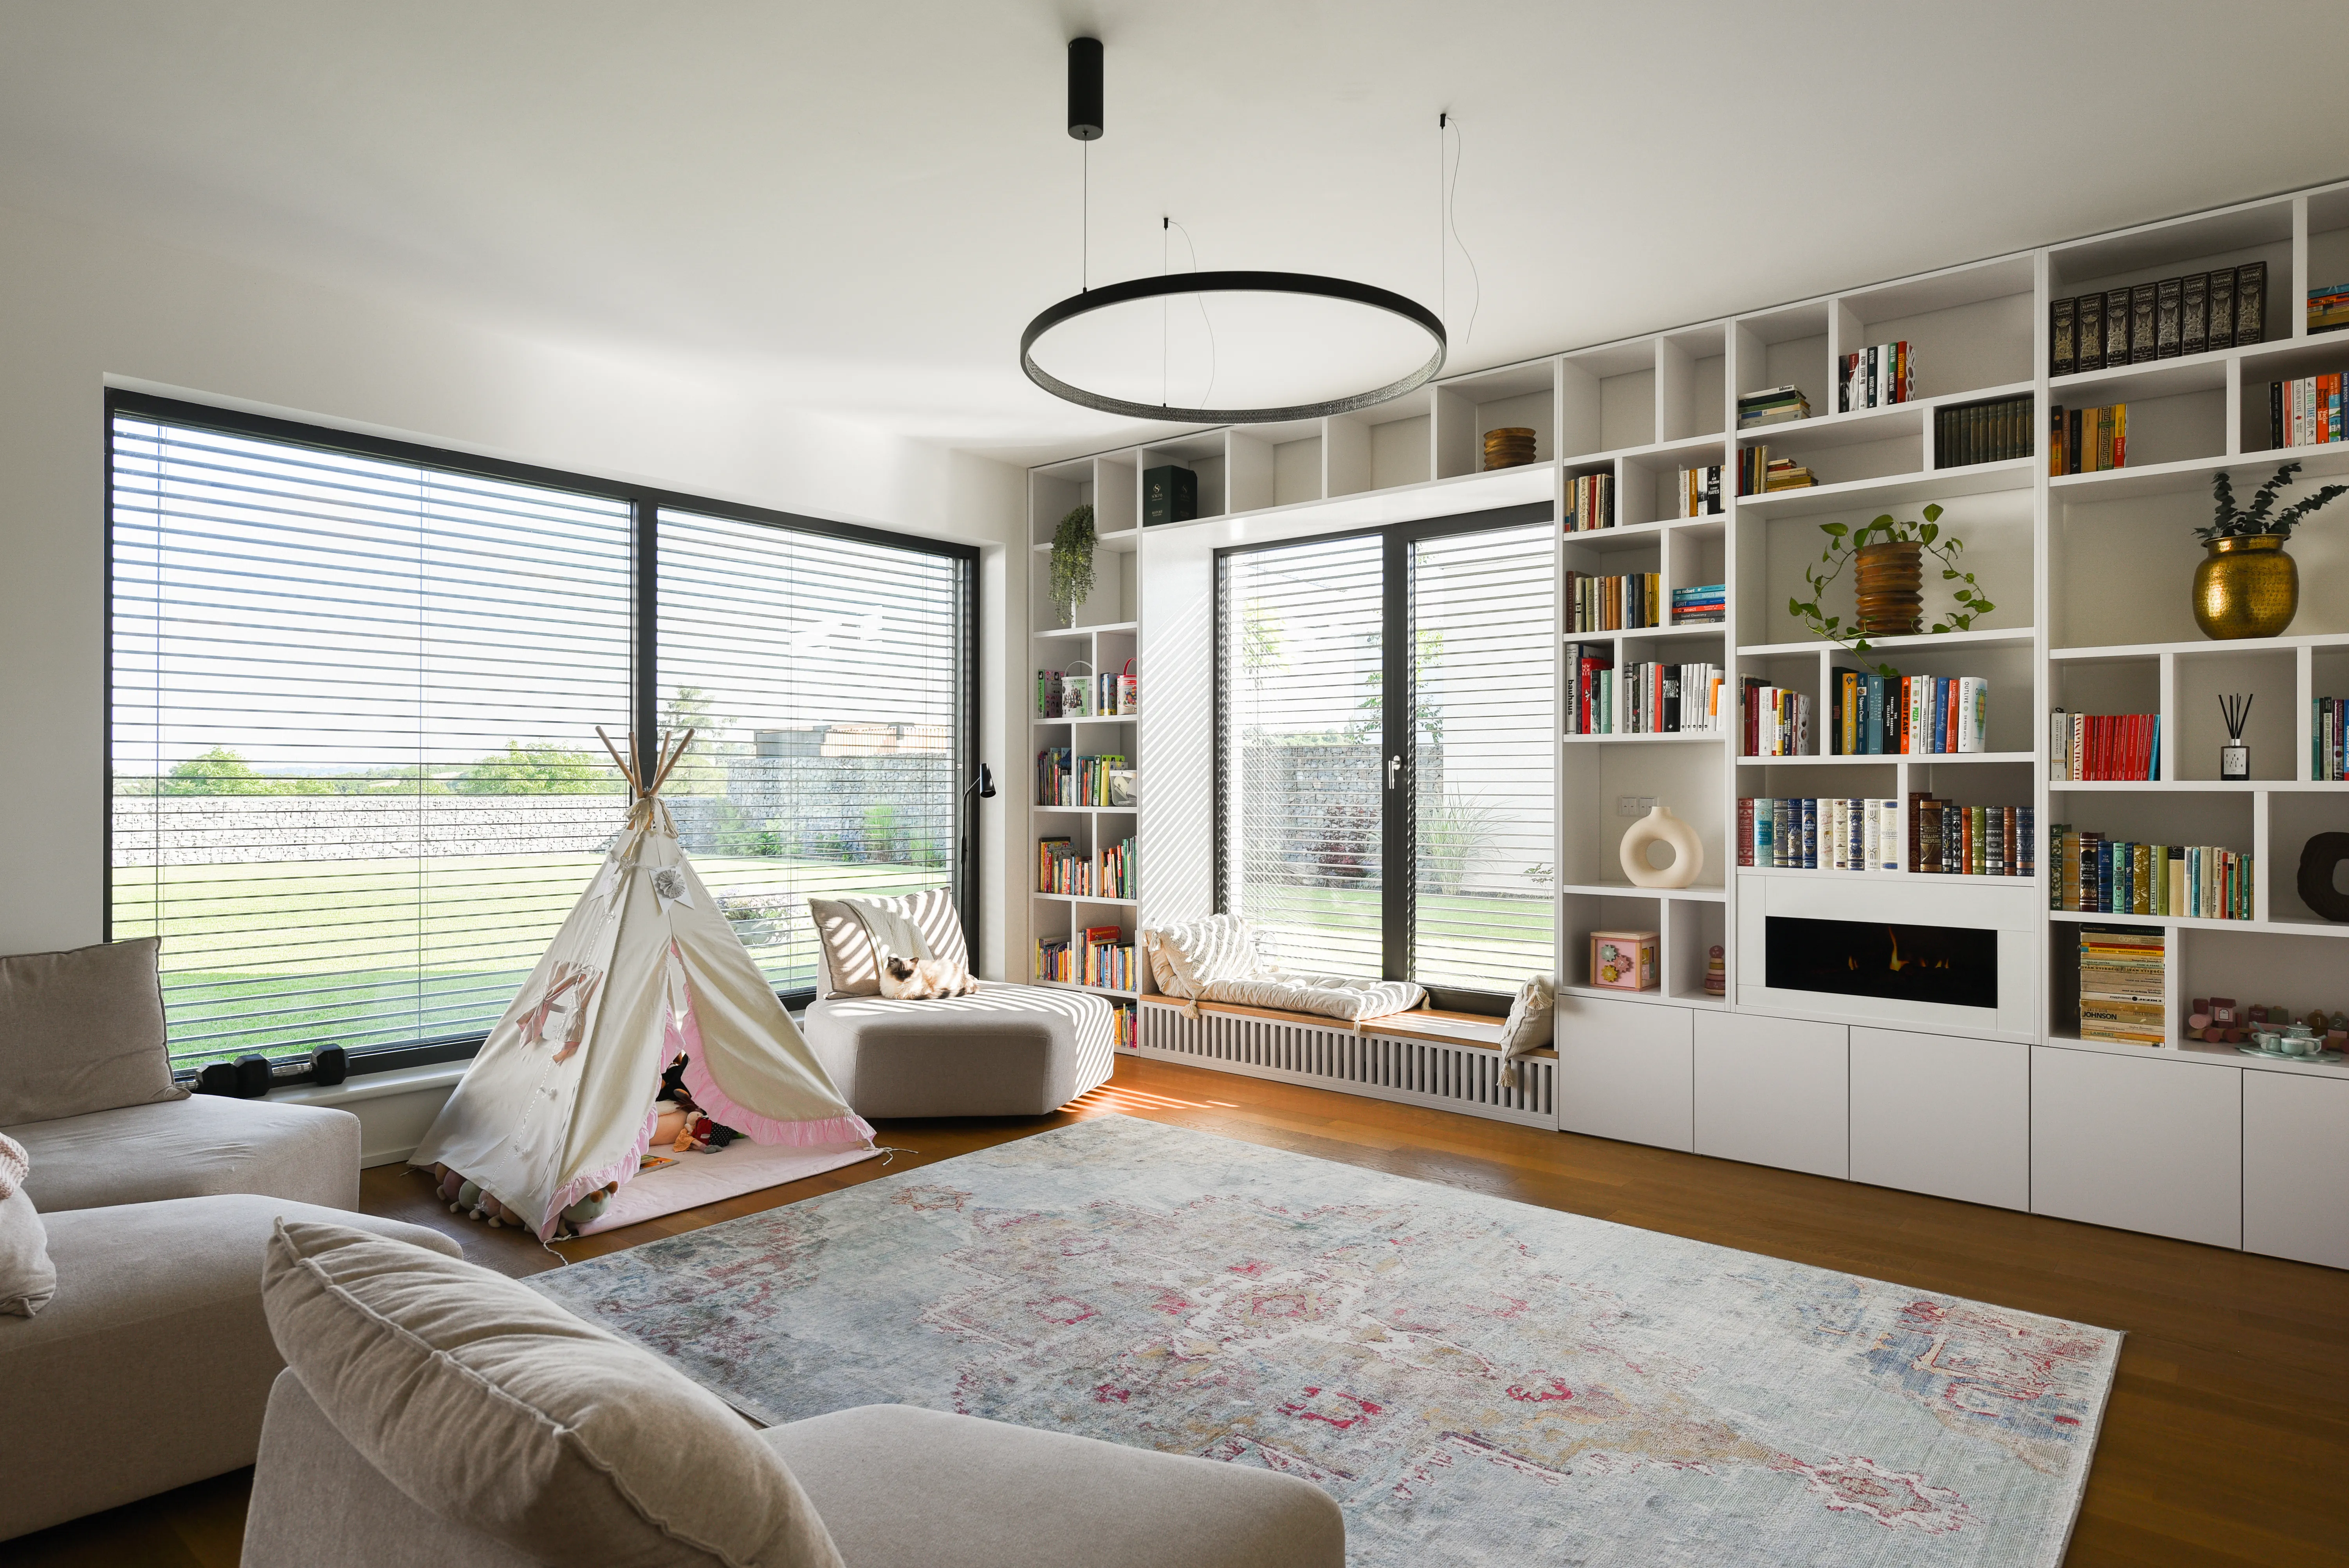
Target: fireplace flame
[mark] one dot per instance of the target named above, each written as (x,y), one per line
(1898,963)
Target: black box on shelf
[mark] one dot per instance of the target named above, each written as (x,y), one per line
(1169,495)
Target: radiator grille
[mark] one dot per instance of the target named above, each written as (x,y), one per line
(1415,1072)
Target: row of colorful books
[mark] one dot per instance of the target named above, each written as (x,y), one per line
(1700,491)
(2328,307)
(2087,441)
(1108,694)
(1995,432)
(1811,834)
(1876,377)
(2086,747)
(1627,603)
(2122,985)
(1956,840)
(1065,780)
(1638,699)
(1759,473)
(1772,405)
(2328,739)
(1776,719)
(1589,503)
(1706,605)
(2104,876)
(1102,957)
(2306,412)
(1876,715)
(2160,320)
(1122,1032)
(1061,868)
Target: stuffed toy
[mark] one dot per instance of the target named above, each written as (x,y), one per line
(590,1208)
(680,1123)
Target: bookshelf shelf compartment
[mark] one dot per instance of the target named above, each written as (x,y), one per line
(1896,490)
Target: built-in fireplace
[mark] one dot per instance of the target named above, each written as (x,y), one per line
(1955,954)
(1944,966)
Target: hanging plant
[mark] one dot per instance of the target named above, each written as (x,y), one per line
(1071,562)
(1890,554)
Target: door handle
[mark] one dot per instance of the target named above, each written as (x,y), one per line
(1395,767)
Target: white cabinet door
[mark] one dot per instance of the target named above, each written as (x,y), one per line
(1943,1113)
(2147,1143)
(2296,1166)
(1773,1091)
(1623,1070)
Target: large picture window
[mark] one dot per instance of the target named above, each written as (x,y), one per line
(1385,794)
(354,776)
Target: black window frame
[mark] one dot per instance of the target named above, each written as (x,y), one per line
(1398,828)
(645,504)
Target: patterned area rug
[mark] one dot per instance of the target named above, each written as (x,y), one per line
(1475,1381)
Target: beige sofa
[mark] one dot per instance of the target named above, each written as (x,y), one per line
(431,1412)
(151,1367)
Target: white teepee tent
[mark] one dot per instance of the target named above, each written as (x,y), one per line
(559,1103)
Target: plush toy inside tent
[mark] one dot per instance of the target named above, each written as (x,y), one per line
(647,1028)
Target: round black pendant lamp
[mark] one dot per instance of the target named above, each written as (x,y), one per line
(1085,125)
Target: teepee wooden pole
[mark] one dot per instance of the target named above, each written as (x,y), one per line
(662,777)
(627,770)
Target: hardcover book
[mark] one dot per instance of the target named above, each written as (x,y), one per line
(2194,314)
(2089,354)
(2120,327)
(2143,301)
(2250,302)
(2062,345)
(2221,333)
(2168,309)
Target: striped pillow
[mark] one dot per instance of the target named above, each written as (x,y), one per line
(847,963)
(1205,952)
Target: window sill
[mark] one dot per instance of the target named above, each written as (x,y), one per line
(374,1085)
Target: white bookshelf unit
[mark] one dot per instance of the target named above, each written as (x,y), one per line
(2090,574)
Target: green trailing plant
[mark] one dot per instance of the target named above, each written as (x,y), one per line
(1843,547)
(1072,560)
(2231,522)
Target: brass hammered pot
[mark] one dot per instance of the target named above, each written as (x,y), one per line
(2246,586)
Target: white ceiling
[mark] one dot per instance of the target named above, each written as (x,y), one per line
(864,204)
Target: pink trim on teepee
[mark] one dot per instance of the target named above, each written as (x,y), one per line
(723,1110)
(622,1170)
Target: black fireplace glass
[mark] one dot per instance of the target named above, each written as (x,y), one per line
(1954,966)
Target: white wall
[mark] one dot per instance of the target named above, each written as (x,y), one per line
(83,308)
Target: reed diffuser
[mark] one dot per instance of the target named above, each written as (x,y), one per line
(2234,756)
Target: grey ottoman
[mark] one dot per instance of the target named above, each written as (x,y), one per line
(1006,1051)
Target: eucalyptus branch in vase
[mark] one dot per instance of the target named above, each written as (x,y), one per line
(1891,606)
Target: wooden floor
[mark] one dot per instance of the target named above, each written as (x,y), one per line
(2226,1440)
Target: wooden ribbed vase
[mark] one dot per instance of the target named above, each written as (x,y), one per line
(1891,589)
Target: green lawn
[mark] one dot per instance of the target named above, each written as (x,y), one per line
(280,955)
(1478,941)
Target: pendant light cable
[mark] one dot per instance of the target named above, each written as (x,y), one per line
(1452,223)
(1205,319)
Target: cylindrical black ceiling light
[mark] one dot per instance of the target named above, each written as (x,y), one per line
(1085,88)
(1085,125)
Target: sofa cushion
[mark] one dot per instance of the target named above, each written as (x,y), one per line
(194,1148)
(27,1277)
(846,952)
(902,1486)
(82,1031)
(151,1367)
(500,1411)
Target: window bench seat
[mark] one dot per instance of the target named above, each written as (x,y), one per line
(1444,1061)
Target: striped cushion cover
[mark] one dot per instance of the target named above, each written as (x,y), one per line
(1328,996)
(845,955)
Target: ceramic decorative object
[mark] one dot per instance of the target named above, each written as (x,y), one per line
(1509,446)
(2318,859)
(2245,587)
(1891,588)
(1660,826)
(1716,974)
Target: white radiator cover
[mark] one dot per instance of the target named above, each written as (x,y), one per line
(1437,1074)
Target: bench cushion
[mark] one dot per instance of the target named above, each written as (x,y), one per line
(194,1148)
(1323,996)
(82,1031)
(1002,1051)
(151,1367)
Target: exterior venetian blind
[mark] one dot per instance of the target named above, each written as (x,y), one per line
(356,786)
(825,675)
(1300,750)
(1484,795)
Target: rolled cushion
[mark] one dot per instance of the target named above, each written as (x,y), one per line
(1205,952)
(82,1031)
(27,1277)
(500,1411)
(195,1148)
(844,947)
